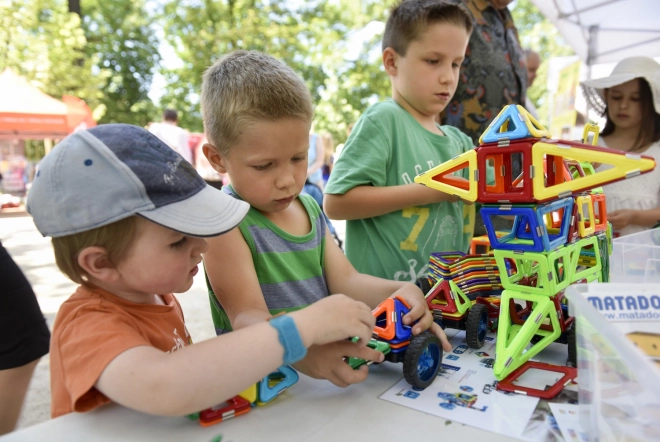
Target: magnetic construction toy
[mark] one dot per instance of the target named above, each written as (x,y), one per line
(421,355)
(560,236)
(261,393)
(462,292)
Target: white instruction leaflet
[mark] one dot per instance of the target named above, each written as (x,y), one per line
(465,392)
(567,417)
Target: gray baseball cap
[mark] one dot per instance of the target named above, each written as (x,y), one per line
(101,175)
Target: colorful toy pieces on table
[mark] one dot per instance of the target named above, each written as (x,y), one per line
(560,236)
(261,393)
(421,356)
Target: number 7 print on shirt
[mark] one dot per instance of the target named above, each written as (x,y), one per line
(410,243)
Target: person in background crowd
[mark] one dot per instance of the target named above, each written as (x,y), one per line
(493,75)
(329,158)
(533,63)
(629,99)
(171,134)
(212,177)
(340,146)
(315,159)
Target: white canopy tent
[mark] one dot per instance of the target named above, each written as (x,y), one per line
(602,31)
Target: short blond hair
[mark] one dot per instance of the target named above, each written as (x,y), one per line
(245,87)
(115,238)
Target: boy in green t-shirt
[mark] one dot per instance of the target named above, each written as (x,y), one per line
(394,224)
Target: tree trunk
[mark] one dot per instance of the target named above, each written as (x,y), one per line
(74,6)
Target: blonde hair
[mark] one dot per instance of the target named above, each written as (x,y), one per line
(114,238)
(329,146)
(245,87)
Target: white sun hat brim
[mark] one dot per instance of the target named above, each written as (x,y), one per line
(626,70)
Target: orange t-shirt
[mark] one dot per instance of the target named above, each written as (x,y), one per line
(91,329)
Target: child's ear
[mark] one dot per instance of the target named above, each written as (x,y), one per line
(214,158)
(390,61)
(95,262)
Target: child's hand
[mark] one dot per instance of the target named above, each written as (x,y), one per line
(327,362)
(332,321)
(419,311)
(436,196)
(334,318)
(621,218)
(426,195)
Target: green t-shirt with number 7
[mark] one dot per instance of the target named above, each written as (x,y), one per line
(388,147)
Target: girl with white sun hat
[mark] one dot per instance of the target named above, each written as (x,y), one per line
(629,99)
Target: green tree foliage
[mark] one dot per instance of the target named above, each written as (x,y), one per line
(538,33)
(309,36)
(125,48)
(110,58)
(43,42)
(315,38)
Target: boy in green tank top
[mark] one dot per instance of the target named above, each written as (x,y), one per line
(257,116)
(394,224)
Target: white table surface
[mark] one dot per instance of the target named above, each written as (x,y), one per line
(311,410)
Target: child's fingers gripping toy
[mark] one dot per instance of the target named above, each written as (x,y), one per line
(560,236)
(421,355)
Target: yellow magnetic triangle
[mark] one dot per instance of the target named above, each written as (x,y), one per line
(435,178)
(535,128)
(624,166)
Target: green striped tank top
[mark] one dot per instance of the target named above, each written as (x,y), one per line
(290,268)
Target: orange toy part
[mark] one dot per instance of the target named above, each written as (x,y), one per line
(385,308)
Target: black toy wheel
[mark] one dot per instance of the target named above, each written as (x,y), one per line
(476,326)
(437,318)
(571,339)
(421,363)
(423,284)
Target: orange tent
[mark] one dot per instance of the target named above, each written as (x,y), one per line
(28,113)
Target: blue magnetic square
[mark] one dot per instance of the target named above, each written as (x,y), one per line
(553,240)
(525,215)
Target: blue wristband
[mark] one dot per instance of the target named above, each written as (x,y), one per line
(294,349)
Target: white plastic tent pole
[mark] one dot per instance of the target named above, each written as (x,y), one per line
(592,50)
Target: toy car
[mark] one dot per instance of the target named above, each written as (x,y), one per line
(463,291)
(421,355)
